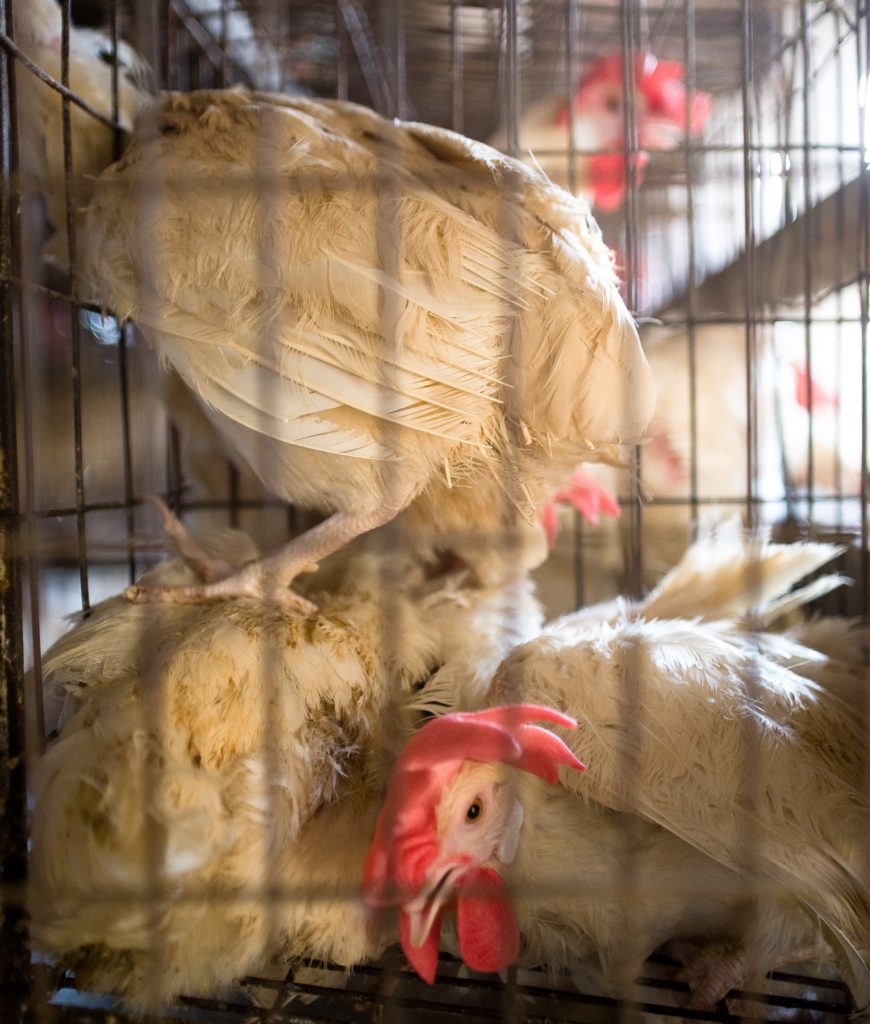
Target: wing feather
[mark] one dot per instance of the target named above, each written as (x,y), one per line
(301,362)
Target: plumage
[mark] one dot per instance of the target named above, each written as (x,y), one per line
(38,29)
(373,314)
(722,776)
(184,769)
(209,798)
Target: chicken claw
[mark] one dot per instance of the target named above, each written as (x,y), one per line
(711,970)
(190,551)
(221,579)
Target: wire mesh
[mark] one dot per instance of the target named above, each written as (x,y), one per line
(749,240)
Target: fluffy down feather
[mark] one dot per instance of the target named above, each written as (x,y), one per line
(209,799)
(371,313)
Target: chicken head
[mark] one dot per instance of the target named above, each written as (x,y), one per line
(450,821)
(662,113)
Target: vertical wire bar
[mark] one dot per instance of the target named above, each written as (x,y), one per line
(629,27)
(862,54)
(784,110)
(747,836)
(127,448)
(751,454)
(124,334)
(233,477)
(510,539)
(505,536)
(689,59)
(862,46)
(225,68)
(172,54)
(75,326)
(116,104)
(625,875)
(174,469)
(16,988)
(572,75)
(457,81)
(164,40)
(389,231)
(21,259)
(273,186)
(342,52)
(400,84)
(840,96)
(234,494)
(512,75)
(149,892)
(809,249)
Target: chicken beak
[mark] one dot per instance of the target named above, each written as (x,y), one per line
(437,891)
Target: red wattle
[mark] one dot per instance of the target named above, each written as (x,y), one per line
(806,386)
(607,177)
(489,936)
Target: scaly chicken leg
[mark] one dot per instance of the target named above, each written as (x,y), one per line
(267,578)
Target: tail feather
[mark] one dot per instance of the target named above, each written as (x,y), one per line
(729,577)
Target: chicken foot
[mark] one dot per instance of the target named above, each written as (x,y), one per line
(190,551)
(717,968)
(711,971)
(267,578)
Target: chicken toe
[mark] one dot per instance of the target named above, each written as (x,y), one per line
(191,552)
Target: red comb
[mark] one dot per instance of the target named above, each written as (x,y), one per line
(496,734)
(588,496)
(662,83)
(665,91)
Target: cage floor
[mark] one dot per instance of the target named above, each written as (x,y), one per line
(388,993)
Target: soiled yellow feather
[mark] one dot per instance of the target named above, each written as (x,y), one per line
(212,791)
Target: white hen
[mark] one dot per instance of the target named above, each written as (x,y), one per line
(175,840)
(714,468)
(722,802)
(37,25)
(373,314)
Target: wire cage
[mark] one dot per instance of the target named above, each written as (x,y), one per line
(743,249)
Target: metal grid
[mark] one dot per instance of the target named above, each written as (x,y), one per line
(798,260)
(381,992)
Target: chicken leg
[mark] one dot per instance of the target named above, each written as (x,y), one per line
(267,578)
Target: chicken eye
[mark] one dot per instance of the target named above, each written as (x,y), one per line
(474,811)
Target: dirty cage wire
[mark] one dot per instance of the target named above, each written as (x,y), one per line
(748,238)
